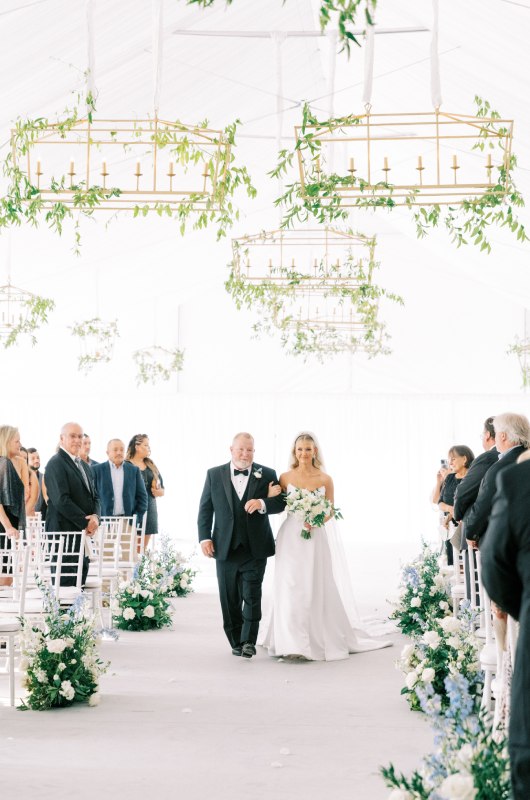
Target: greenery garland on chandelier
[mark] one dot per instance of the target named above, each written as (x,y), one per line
(23,201)
(36,314)
(346,12)
(321,199)
(298,337)
(156,363)
(97,339)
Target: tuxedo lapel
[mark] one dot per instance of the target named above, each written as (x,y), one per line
(227,484)
(252,482)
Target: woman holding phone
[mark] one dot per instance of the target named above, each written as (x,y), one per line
(459,460)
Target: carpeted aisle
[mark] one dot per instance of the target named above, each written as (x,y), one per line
(181,717)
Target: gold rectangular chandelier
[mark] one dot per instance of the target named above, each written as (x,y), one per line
(413,158)
(147,164)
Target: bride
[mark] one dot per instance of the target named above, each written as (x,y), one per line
(309,619)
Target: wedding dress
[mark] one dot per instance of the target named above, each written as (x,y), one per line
(309,617)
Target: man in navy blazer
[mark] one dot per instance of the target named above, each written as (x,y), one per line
(119,484)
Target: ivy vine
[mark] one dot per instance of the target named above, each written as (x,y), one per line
(346,13)
(466,223)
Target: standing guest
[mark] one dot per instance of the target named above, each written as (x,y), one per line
(73,503)
(466,494)
(34,465)
(12,502)
(84,454)
(512,437)
(505,553)
(138,453)
(460,458)
(234,529)
(119,484)
(32,482)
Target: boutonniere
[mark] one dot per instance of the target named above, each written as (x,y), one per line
(258,472)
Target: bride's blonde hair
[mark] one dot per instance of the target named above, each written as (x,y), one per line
(305,437)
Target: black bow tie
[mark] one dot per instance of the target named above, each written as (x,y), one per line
(241,472)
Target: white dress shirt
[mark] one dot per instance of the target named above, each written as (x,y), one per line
(117,475)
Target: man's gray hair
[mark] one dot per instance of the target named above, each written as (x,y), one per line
(242,435)
(515,426)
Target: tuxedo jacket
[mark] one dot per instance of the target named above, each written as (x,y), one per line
(505,554)
(477,519)
(134,491)
(69,499)
(467,490)
(216,511)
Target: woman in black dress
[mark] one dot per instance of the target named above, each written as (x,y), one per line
(460,458)
(12,502)
(138,453)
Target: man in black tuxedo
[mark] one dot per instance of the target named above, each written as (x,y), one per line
(73,503)
(467,491)
(234,529)
(505,554)
(512,437)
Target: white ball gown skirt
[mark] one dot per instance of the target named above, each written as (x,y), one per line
(309,616)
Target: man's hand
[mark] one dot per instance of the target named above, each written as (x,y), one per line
(274,489)
(472,544)
(253,505)
(208,548)
(92,524)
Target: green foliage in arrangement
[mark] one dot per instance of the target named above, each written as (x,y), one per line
(521,348)
(156,364)
(423,594)
(468,223)
(98,339)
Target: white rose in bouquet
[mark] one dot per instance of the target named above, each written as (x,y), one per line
(94,699)
(407,652)
(415,602)
(427,675)
(55,645)
(458,787)
(183,584)
(128,613)
(411,679)
(149,612)
(465,755)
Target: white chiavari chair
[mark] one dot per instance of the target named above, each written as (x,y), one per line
(125,531)
(14,565)
(458,586)
(61,555)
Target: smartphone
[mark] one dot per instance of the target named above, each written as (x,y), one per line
(444,463)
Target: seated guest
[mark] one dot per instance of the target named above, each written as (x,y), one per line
(460,458)
(84,453)
(512,437)
(12,504)
(505,553)
(34,465)
(119,484)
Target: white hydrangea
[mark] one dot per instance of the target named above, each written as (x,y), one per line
(67,690)
(41,676)
(465,755)
(444,605)
(94,699)
(431,639)
(450,624)
(183,584)
(56,645)
(415,602)
(128,613)
(458,787)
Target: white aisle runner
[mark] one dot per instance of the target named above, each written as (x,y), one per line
(181,717)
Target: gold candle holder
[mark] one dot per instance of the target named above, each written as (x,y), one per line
(420,169)
(455,167)
(386,168)
(138,174)
(171,175)
(489,167)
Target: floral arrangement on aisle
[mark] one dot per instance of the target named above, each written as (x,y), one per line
(312,509)
(60,662)
(423,594)
(467,762)
(141,604)
(172,570)
(449,647)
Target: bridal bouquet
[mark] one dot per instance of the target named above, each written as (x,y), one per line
(311,508)
(59,662)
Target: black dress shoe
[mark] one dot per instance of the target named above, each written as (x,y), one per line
(248,650)
(236,651)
